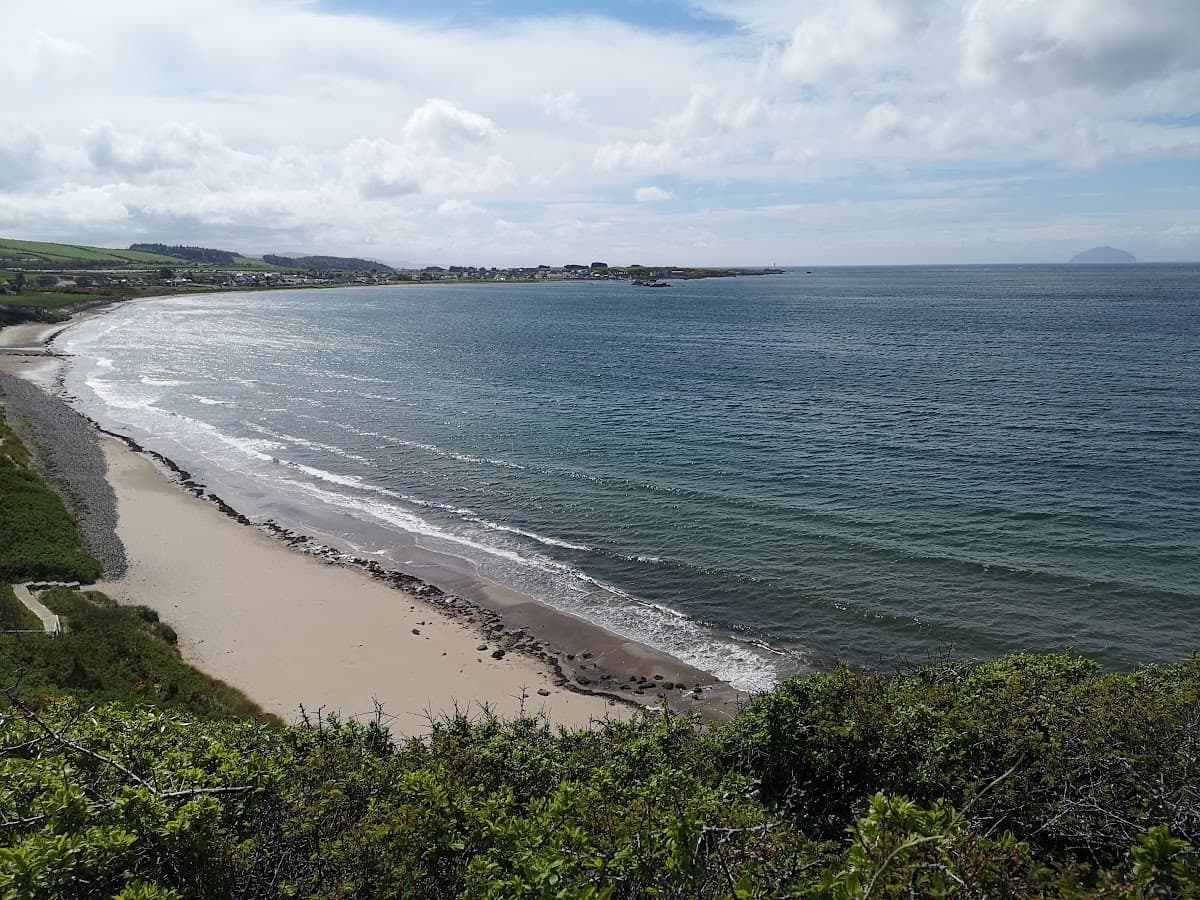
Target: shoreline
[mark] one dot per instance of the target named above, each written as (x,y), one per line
(583,657)
(575,657)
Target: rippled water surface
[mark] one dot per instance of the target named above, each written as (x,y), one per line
(869,463)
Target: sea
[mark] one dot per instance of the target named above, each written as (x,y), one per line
(759,475)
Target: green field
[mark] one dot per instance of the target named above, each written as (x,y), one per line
(39,255)
(45,299)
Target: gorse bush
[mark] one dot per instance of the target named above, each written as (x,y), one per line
(1077,761)
(828,788)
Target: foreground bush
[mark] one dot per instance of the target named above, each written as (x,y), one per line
(1076,761)
(827,788)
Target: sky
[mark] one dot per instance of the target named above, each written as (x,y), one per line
(520,132)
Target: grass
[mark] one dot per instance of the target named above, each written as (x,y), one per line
(41,254)
(106,652)
(38,536)
(110,652)
(44,299)
(12,448)
(24,252)
(14,616)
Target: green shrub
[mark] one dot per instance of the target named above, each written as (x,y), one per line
(150,802)
(38,537)
(1075,761)
(14,616)
(109,652)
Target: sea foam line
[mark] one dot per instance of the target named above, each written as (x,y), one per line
(730,659)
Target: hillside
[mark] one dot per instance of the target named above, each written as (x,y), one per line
(327,263)
(40,255)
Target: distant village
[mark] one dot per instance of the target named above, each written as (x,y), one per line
(596,271)
(193,276)
(60,275)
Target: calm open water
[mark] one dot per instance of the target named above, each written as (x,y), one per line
(873,463)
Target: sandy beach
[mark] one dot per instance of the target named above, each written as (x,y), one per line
(289,629)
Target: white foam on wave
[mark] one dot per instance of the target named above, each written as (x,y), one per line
(209,401)
(362,485)
(141,413)
(532,535)
(161,382)
(254,448)
(489,460)
(304,442)
(428,448)
(738,662)
(111,394)
(469,515)
(390,514)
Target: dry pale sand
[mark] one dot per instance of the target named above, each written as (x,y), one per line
(288,629)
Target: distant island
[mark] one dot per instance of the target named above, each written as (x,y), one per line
(1104,255)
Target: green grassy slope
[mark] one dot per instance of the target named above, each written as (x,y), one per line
(109,652)
(38,537)
(44,255)
(106,652)
(13,613)
(40,254)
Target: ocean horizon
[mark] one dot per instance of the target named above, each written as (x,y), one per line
(757,475)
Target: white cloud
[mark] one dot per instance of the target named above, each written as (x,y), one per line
(22,156)
(854,35)
(459,209)
(562,105)
(660,156)
(445,128)
(442,150)
(174,146)
(651,194)
(277,123)
(882,122)
(1073,43)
